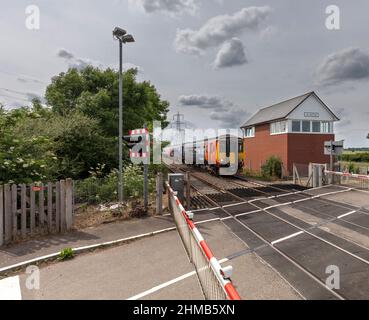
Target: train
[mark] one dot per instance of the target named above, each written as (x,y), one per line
(217,154)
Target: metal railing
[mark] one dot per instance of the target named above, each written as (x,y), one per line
(214,280)
(359,181)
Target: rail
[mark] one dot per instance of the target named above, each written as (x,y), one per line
(214,280)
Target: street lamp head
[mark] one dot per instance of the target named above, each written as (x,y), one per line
(128,38)
(119,32)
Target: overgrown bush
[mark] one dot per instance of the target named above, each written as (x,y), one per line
(272,168)
(99,190)
(352,168)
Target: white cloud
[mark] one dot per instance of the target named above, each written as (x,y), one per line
(170,6)
(232,53)
(219,29)
(342,66)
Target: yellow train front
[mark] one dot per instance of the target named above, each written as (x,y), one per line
(219,155)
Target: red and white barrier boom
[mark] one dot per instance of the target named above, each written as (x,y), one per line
(214,279)
(347,174)
(141,148)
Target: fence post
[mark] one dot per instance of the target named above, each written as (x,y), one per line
(1,216)
(310,181)
(159,193)
(14,210)
(41,206)
(188,190)
(32,200)
(63,222)
(57,205)
(7,214)
(23,210)
(50,206)
(68,203)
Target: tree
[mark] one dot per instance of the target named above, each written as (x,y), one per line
(94,92)
(76,142)
(23,158)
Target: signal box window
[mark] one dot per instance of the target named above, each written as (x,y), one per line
(250,132)
(326,127)
(316,126)
(296,126)
(306,126)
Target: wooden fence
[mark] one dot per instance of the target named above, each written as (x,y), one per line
(27,210)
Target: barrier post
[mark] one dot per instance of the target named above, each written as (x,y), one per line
(188,190)
(159,193)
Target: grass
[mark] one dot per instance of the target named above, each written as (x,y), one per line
(355,152)
(66,254)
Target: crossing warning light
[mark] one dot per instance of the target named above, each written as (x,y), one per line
(131,141)
(139,143)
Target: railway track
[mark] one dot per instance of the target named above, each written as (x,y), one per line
(251,210)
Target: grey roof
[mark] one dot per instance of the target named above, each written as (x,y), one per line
(281,110)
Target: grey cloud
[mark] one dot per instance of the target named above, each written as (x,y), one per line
(219,29)
(231,118)
(26,79)
(222,110)
(81,63)
(205,102)
(76,62)
(62,53)
(232,53)
(31,96)
(172,6)
(345,65)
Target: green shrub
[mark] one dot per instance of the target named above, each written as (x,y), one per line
(272,167)
(66,254)
(95,190)
(355,157)
(352,168)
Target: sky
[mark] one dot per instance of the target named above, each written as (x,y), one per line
(216,61)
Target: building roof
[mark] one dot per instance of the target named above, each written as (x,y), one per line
(281,110)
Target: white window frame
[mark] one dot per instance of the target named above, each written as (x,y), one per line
(276,127)
(323,128)
(250,132)
(326,127)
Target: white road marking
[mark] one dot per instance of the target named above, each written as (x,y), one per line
(288,237)
(347,214)
(168,283)
(10,289)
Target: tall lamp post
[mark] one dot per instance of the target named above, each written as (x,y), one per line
(121,35)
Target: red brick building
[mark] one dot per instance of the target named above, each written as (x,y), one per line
(294,130)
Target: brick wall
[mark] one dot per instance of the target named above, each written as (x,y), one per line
(306,148)
(291,148)
(263,145)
